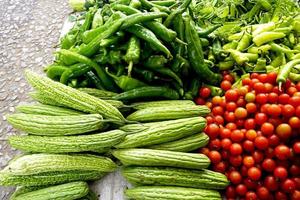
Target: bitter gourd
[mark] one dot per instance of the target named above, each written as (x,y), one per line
(100,142)
(171,193)
(168,113)
(56,125)
(41,163)
(67,191)
(205,179)
(43,99)
(186,144)
(41,109)
(73,98)
(103,94)
(162,103)
(152,157)
(165,131)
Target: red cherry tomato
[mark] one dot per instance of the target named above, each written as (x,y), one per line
(282,152)
(261,142)
(229,116)
(241,102)
(254,75)
(229,78)
(270,183)
(261,99)
(231,126)
(231,106)
(294,170)
(294,101)
(297,112)
(251,134)
(210,119)
(288,186)
(215,157)
(216,100)
(249,124)
(241,189)
(219,120)
(225,85)
(283,98)
(263,193)
(218,110)
(268,165)
(236,160)
(260,118)
(273,140)
(250,184)
(272,97)
(225,133)
(284,131)
(214,144)
(237,136)
(294,122)
(259,87)
(254,173)
(235,177)
(267,129)
(263,78)
(288,110)
(268,87)
(251,107)
(220,167)
(280,173)
(226,143)
(236,149)
(279,195)
(212,130)
(231,95)
(204,92)
(200,101)
(296,147)
(291,91)
(271,78)
(258,156)
(274,110)
(240,113)
(296,195)
(248,161)
(248,146)
(230,192)
(242,91)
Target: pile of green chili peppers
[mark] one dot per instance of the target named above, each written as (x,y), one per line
(138,47)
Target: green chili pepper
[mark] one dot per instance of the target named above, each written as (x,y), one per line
(112,40)
(157,28)
(225,65)
(215,91)
(178,88)
(141,17)
(148,4)
(55,71)
(148,92)
(150,37)
(73,83)
(285,70)
(266,37)
(211,56)
(207,31)
(193,90)
(285,30)
(106,81)
(195,54)
(155,61)
(270,68)
(260,28)
(170,73)
(260,64)
(97,19)
(294,77)
(74,71)
(230,45)
(240,58)
(204,42)
(89,35)
(84,83)
(114,57)
(217,48)
(126,83)
(260,50)
(280,49)
(292,38)
(94,80)
(297,56)
(236,36)
(177,12)
(146,75)
(244,42)
(133,53)
(166,3)
(135,4)
(67,41)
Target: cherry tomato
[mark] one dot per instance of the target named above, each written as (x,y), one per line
(284,131)
(231,95)
(283,98)
(267,129)
(204,150)
(251,107)
(241,189)
(229,116)
(249,124)
(216,100)
(231,126)
(250,184)
(294,101)
(215,157)
(250,196)
(258,156)
(219,120)
(241,102)
(218,110)
(225,155)
(263,78)
(246,81)
(282,152)
(200,101)
(296,147)
(297,112)
(268,87)
(260,118)
(272,97)
(263,193)
(236,160)
(254,75)
(226,143)
(212,130)
(294,170)
(229,78)
(248,161)
(248,146)
(225,133)
(210,119)
(204,92)
(230,192)
(273,140)
(270,183)
(251,134)
(291,91)
(220,167)
(288,186)
(288,110)
(280,196)
(298,86)
(280,173)
(235,177)
(237,136)
(236,149)
(250,97)
(275,121)
(231,106)
(276,90)
(261,142)
(274,110)
(259,87)
(261,99)
(240,113)
(225,85)
(296,195)
(240,123)
(297,182)
(215,144)
(242,91)
(209,104)
(271,78)
(294,122)
(254,173)
(268,165)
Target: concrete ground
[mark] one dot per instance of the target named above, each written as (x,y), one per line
(29,31)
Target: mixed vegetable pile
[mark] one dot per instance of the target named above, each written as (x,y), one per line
(120,92)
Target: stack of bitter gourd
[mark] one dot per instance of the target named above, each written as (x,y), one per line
(68,130)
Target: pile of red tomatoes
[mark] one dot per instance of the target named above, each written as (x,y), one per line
(254,135)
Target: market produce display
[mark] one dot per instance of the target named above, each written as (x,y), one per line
(192,100)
